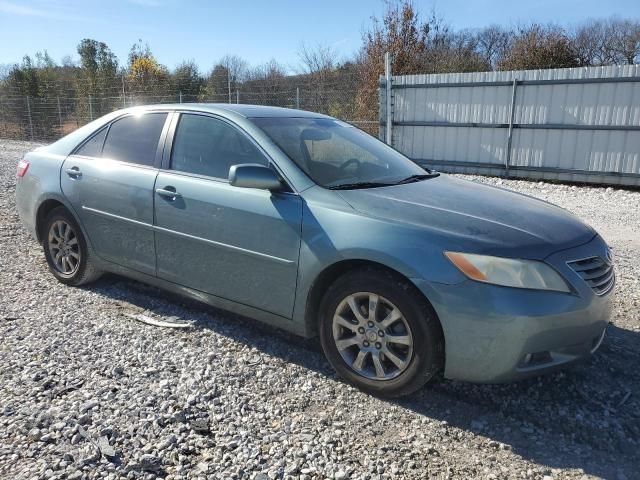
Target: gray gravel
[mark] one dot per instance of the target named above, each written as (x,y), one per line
(88,392)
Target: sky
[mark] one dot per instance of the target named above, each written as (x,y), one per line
(256,30)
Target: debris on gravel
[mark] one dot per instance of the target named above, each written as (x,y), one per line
(87,392)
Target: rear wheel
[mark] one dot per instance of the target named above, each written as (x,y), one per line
(65,249)
(379,334)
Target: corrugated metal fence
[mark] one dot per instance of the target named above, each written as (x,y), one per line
(573,124)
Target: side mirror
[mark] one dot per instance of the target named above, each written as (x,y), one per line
(253,175)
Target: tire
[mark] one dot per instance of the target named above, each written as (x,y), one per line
(415,340)
(65,249)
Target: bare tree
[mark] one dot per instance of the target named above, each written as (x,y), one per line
(449,52)
(270,70)
(267,84)
(607,42)
(237,68)
(493,42)
(399,32)
(589,41)
(623,40)
(226,77)
(318,59)
(318,68)
(537,46)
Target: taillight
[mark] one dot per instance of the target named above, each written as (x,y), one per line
(23,166)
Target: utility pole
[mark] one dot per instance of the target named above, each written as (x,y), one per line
(298,98)
(229,82)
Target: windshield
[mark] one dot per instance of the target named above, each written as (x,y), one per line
(335,154)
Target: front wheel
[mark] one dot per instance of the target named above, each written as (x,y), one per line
(66,250)
(379,334)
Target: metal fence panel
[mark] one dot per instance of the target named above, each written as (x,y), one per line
(576,124)
(48,118)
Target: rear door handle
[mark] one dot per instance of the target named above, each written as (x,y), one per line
(73,172)
(168,193)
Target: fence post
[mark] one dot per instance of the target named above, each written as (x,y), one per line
(124,95)
(180,97)
(298,98)
(512,112)
(30,120)
(90,109)
(59,114)
(388,137)
(237,96)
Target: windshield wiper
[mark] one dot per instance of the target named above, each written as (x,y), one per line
(356,185)
(417,178)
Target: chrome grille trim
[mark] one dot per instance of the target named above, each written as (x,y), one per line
(597,272)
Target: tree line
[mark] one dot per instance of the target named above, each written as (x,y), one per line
(99,82)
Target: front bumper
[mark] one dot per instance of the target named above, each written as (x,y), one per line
(497,334)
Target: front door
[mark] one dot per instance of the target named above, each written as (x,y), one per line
(236,243)
(109,181)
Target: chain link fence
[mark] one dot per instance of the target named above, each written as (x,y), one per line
(49,117)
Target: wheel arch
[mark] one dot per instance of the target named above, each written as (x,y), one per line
(45,206)
(332,272)
(43,210)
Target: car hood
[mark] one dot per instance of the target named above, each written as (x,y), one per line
(474,217)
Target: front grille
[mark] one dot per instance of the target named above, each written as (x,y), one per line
(598,273)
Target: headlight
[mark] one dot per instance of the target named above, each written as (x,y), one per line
(508,272)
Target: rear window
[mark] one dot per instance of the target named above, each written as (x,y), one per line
(134,139)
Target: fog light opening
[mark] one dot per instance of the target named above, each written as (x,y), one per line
(537,358)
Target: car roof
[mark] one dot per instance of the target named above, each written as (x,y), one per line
(248,111)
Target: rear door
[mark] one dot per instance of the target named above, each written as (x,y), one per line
(236,243)
(109,181)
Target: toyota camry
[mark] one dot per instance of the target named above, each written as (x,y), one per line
(309,224)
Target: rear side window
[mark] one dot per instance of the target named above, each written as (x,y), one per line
(134,139)
(208,146)
(93,146)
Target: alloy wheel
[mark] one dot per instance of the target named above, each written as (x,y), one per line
(64,248)
(372,336)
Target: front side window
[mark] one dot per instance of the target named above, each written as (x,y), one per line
(208,146)
(335,154)
(135,138)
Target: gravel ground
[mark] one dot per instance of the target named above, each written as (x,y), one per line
(88,392)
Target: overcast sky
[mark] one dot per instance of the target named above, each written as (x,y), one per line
(256,30)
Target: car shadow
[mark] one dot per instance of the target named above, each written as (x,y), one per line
(586,417)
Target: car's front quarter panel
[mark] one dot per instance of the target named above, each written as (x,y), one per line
(40,183)
(334,232)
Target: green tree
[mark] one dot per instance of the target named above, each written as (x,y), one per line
(23,79)
(217,88)
(97,77)
(186,80)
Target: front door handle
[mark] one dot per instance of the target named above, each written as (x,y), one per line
(168,192)
(73,172)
